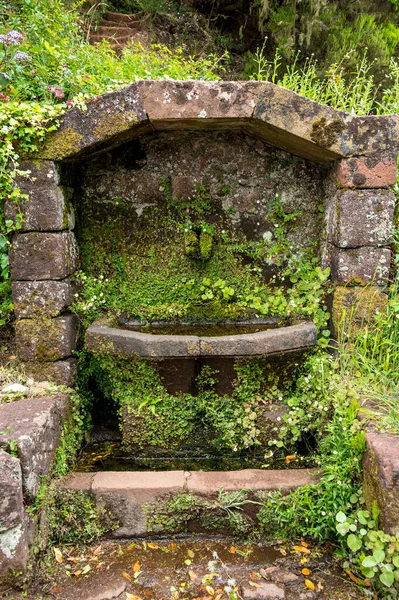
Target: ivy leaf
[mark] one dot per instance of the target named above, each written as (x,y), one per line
(387,578)
(369,562)
(379,555)
(395,561)
(341,517)
(354,542)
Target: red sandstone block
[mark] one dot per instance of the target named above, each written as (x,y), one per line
(375,171)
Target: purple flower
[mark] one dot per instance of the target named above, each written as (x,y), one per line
(12,38)
(21,56)
(69,102)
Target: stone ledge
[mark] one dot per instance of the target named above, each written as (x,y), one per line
(210,483)
(46,340)
(374,171)
(381,478)
(126,492)
(123,342)
(37,298)
(36,425)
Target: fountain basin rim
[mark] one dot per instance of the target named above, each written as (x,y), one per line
(126,343)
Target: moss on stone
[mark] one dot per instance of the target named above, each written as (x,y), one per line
(111,125)
(206,244)
(355,306)
(326,134)
(61,144)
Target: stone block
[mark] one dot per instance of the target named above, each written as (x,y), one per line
(42,298)
(354,307)
(183,188)
(208,484)
(361,265)
(14,535)
(47,209)
(60,372)
(126,492)
(46,339)
(39,256)
(381,478)
(362,218)
(374,171)
(35,424)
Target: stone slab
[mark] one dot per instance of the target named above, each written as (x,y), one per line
(60,372)
(122,342)
(277,115)
(38,256)
(210,483)
(126,492)
(263,591)
(273,341)
(360,305)
(361,266)
(36,425)
(81,482)
(381,478)
(363,218)
(35,298)
(14,526)
(374,171)
(46,339)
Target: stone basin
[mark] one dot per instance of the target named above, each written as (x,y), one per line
(127,343)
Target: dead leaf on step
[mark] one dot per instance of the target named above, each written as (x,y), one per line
(132,597)
(210,590)
(136,566)
(126,575)
(283,552)
(305,572)
(309,584)
(73,559)
(233,550)
(152,546)
(301,549)
(100,564)
(77,573)
(219,596)
(289,459)
(319,587)
(56,590)
(190,553)
(58,555)
(86,569)
(97,550)
(353,577)
(304,544)
(303,560)
(172,547)
(193,576)
(254,584)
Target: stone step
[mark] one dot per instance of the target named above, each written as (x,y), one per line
(126,492)
(122,18)
(109,31)
(114,41)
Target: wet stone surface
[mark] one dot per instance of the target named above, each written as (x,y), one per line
(186,569)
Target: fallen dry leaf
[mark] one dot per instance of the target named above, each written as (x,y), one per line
(100,564)
(56,590)
(219,596)
(289,459)
(97,550)
(304,544)
(301,549)
(309,584)
(193,576)
(136,566)
(305,572)
(172,547)
(233,550)
(319,587)
(254,584)
(303,560)
(353,577)
(77,573)
(190,553)
(73,559)
(152,546)
(58,555)
(283,552)
(132,597)
(210,590)
(126,576)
